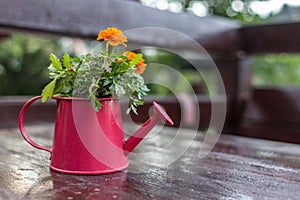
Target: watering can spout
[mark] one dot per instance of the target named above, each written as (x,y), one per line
(159,116)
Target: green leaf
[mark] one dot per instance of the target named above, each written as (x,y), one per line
(76,59)
(131,108)
(48,90)
(124,58)
(51,68)
(107,82)
(66,59)
(55,62)
(58,88)
(135,60)
(96,103)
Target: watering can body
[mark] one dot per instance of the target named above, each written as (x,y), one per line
(90,142)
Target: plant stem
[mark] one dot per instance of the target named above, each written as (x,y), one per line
(106,49)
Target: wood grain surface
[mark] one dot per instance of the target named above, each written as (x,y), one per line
(237,168)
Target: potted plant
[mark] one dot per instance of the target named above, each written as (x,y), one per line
(88,136)
(99,75)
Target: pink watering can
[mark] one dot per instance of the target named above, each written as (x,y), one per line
(90,142)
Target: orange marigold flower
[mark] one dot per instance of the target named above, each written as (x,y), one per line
(113,36)
(130,55)
(117,39)
(140,66)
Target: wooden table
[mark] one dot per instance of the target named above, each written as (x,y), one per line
(237,168)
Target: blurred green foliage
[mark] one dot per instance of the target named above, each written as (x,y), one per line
(224,8)
(177,73)
(23,64)
(276,70)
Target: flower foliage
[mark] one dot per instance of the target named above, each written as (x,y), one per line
(103,74)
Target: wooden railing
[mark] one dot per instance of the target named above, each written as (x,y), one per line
(230,44)
(271,112)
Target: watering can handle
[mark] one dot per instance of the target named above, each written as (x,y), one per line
(22,128)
